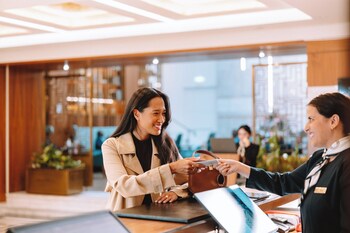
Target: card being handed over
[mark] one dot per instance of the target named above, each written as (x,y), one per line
(208,163)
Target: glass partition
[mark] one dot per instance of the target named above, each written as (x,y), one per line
(83,108)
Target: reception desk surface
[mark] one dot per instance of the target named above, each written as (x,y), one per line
(203,224)
(187,210)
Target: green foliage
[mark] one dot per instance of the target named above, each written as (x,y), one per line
(54,158)
(275,162)
(274,132)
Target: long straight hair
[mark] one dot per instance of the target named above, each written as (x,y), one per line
(167,149)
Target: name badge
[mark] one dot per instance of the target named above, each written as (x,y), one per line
(320,190)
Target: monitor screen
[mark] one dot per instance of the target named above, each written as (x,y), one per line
(233,210)
(223,145)
(103,221)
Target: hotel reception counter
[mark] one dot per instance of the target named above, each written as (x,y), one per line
(181,216)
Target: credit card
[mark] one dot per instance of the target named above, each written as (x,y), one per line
(209,162)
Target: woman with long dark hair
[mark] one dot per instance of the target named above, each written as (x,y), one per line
(324,180)
(141,161)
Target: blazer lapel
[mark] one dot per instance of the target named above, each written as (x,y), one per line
(155,159)
(132,162)
(128,152)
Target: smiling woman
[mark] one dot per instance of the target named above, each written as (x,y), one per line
(140,159)
(324,180)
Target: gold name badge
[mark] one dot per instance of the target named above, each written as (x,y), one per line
(320,190)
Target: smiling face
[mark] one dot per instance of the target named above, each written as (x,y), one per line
(151,119)
(318,128)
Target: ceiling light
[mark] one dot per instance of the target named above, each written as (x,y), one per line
(243,64)
(185,25)
(261,54)
(199,79)
(155,61)
(270,60)
(65,66)
(134,10)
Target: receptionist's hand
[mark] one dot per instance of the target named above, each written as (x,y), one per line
(167,197)
(226,166)
(229,166)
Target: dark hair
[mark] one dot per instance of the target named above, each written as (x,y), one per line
(167,149)
(334,103)
(246,128)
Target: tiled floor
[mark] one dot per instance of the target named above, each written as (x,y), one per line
(22,208)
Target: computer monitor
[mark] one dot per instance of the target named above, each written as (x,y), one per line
(223,145)
(233,210)
(103,221)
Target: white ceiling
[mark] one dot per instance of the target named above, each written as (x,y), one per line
(68,29)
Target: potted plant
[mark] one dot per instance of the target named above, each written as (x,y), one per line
(275,162)
(52,172)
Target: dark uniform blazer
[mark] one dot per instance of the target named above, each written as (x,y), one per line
(326,207)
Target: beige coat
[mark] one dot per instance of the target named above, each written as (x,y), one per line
(126,180)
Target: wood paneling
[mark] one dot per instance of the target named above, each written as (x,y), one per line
(328,61)
(2,133)
(27,121)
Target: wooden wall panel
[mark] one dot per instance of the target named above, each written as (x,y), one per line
(27,121)
(328,61)
(2,133)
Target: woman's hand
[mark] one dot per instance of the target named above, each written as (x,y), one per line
(185,166)
(226,166)
(167,197)
(244,142)
(229,166)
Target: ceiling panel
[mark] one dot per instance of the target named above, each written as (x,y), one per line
(199,7)
(34,22)
(70,15)
(6,30)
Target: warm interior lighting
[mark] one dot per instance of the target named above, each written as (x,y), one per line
(71,15)
(65,66)
(87,100)
(261,54)
(155,61)
(185,25)
(134,10)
